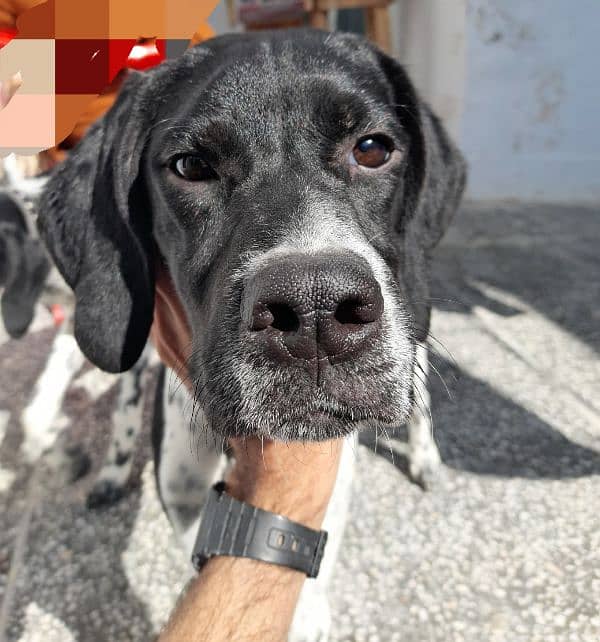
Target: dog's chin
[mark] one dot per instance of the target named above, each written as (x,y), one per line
(317,424)
(245,399)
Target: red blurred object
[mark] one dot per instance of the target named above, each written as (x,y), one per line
(6,35)
(58,313)
(145,53)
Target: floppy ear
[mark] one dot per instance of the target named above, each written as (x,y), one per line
(436,171)
(23,271)
(96,223)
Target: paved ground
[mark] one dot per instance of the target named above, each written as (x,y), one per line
(507,549)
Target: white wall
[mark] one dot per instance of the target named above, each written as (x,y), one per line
(218,20)
(531,115)
(518,85)
(429,39)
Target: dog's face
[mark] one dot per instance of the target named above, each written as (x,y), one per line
(294,184)
(24,268)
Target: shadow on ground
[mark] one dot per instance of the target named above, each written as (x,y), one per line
(480,431)
(549,260)
(546,255)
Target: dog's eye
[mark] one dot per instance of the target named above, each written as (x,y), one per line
(372,151)
(193,168)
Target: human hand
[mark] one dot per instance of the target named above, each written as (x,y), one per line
(9,12)
(8,88)
(10,79)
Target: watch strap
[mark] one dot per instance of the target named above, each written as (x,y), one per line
(235,528)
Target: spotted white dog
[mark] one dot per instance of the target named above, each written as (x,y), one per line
(27,282)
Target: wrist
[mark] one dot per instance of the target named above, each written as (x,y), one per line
(307,507)
(292,479)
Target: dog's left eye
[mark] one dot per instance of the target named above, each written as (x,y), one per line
(191,167)
(372,151)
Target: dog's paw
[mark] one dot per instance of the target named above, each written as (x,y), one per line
(104,493)
(312,619)
(425,466)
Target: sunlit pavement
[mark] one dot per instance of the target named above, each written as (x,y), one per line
(506,547)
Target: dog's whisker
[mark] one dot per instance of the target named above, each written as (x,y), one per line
(448,353)
(429,415)
(437,372)
(430,335)
(421,375)
(389,443)
(376,236)
(434,299)
(182,375)
(192,432)
(262,451)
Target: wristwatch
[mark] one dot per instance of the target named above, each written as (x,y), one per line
(231,527)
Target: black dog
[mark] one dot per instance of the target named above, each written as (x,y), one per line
(295,186)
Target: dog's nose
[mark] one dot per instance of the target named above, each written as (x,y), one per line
(308,306)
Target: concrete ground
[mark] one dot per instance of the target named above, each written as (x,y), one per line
(505,549)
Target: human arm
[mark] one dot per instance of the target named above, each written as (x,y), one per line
(242,599)
(237,598)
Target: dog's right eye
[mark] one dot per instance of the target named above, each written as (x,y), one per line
(193,168)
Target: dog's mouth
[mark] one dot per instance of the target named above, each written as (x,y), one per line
(323,417)
(320,423)
(287,408)
(348,415)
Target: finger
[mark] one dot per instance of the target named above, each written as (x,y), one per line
(8,88)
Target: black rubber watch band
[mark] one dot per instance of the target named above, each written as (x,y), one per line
(234,528)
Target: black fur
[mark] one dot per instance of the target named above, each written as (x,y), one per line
(96,223)
(275,115)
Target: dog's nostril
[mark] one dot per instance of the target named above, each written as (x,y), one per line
(353,312)
(313,307)
(284,317)
(346,312)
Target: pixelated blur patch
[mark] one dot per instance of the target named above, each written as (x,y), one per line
(37,22)
(6,35)
(81,66)
(69,51)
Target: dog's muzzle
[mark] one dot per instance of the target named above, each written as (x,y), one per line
(305,307)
